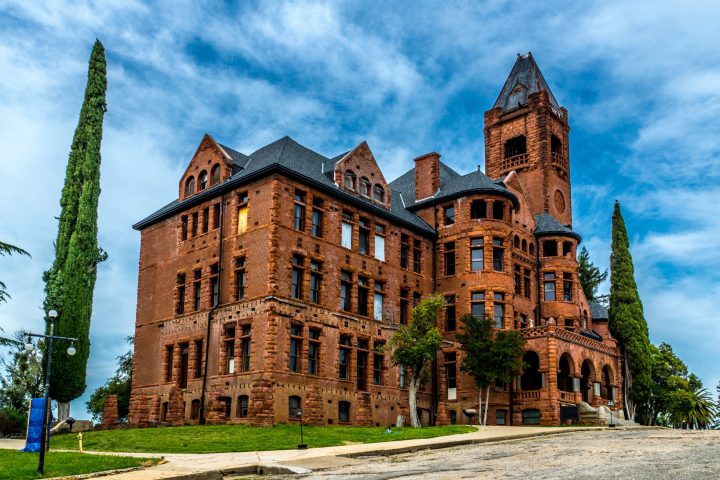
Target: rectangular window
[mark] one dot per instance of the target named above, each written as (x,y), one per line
(498,210)
(450,313)
(517,280)
(364,236)
(216,215)
(299,211)
(240,278)
(477,304)
(380,242)
(500,416)
(168,362)
(361,379)
(378,363)
(245,349)
(449,215)
(242,407)
(499,309)
(195,224)
(347,230)
(206,220)
(526,281)
(180,305)
(345,291)
(478,209)
(344,358)
(378,301)
(416,256)
(404,306)
(498,252)
(451,369)
(295,347)
(315,281)
(343,412)
(184,227)
(549,286)
(242,212)
(313,351)
(197,284)
(567,287)
(297,276)
(449,258)
(477,252)
(198,358)
(230,354)
(404,251)
(317,218)
(214,285)
(362,296)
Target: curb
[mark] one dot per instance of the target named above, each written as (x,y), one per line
(259,469)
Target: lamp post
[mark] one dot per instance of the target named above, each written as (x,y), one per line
(611,404)
(302,445)
(52,315)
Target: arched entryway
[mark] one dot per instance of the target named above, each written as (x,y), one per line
(531,378)
(606,387)
(587,378)
(564,375)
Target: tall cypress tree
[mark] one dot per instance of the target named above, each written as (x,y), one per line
(626,319)
(70,282)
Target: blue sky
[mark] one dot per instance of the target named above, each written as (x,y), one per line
(640,82)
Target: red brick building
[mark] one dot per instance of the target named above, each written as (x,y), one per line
(270,285)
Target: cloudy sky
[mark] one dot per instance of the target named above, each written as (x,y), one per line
(640,82)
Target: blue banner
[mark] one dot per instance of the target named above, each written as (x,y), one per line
(35,425)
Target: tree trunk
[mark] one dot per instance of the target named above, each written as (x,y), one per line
(63,410)
(480,406)
(412,401)
(629,404)
(487,404)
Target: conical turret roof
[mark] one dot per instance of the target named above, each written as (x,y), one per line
(525,79)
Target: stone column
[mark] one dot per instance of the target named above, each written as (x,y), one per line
(110,412)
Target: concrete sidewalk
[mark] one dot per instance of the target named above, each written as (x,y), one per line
(214,465)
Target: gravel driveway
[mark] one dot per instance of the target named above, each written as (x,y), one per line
(605,454)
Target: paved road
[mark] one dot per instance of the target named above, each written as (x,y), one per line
(607,454)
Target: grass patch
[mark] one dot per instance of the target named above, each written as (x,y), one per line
(240,438)
(22,465)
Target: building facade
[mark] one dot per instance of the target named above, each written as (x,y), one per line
(268,289)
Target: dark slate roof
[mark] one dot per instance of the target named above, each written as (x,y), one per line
(292,159)
(452,184)
(525,79)
(597,311)
(591,334)
(546,224)
(239,159)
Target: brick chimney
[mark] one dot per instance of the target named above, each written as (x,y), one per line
(427,175)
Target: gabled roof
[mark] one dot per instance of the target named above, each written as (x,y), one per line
(546,224)
(525,79)
(291,158)
(597,311)
(452,185)
(239,159)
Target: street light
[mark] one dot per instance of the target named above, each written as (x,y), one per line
(303,445)
(611,404)
(52,315)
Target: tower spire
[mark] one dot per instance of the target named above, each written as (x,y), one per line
(525,79)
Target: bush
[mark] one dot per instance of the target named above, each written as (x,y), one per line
(12,422)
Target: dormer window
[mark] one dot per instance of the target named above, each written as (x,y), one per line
(189,186)
(365,187)
(202,181)
(379,194)
(349,180)
(215,175)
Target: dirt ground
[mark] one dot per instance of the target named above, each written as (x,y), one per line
(605,454)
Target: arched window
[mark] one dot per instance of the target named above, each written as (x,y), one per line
(516,242)
(364,187)
(531,378)
(349,180)
(294,410)
(564,374)
(344,412)
(189,186)
(242,406)
(379,194)
(202,181)
(532,248)
(215,175)
(524,245)
(195,409)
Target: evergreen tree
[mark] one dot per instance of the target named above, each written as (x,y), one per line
(589,274)
(415,345)
(626,319)
(20,380)
(490,355)
(70,282)
(7,249)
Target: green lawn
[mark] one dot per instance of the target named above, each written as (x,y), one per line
(21,466)
(240,438)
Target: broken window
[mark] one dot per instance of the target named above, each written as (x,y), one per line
(498,210)
(515,146)
(555,145)
(478,209)
(550,248)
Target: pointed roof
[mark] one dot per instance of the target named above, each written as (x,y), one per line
(525,79)
(546,224)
